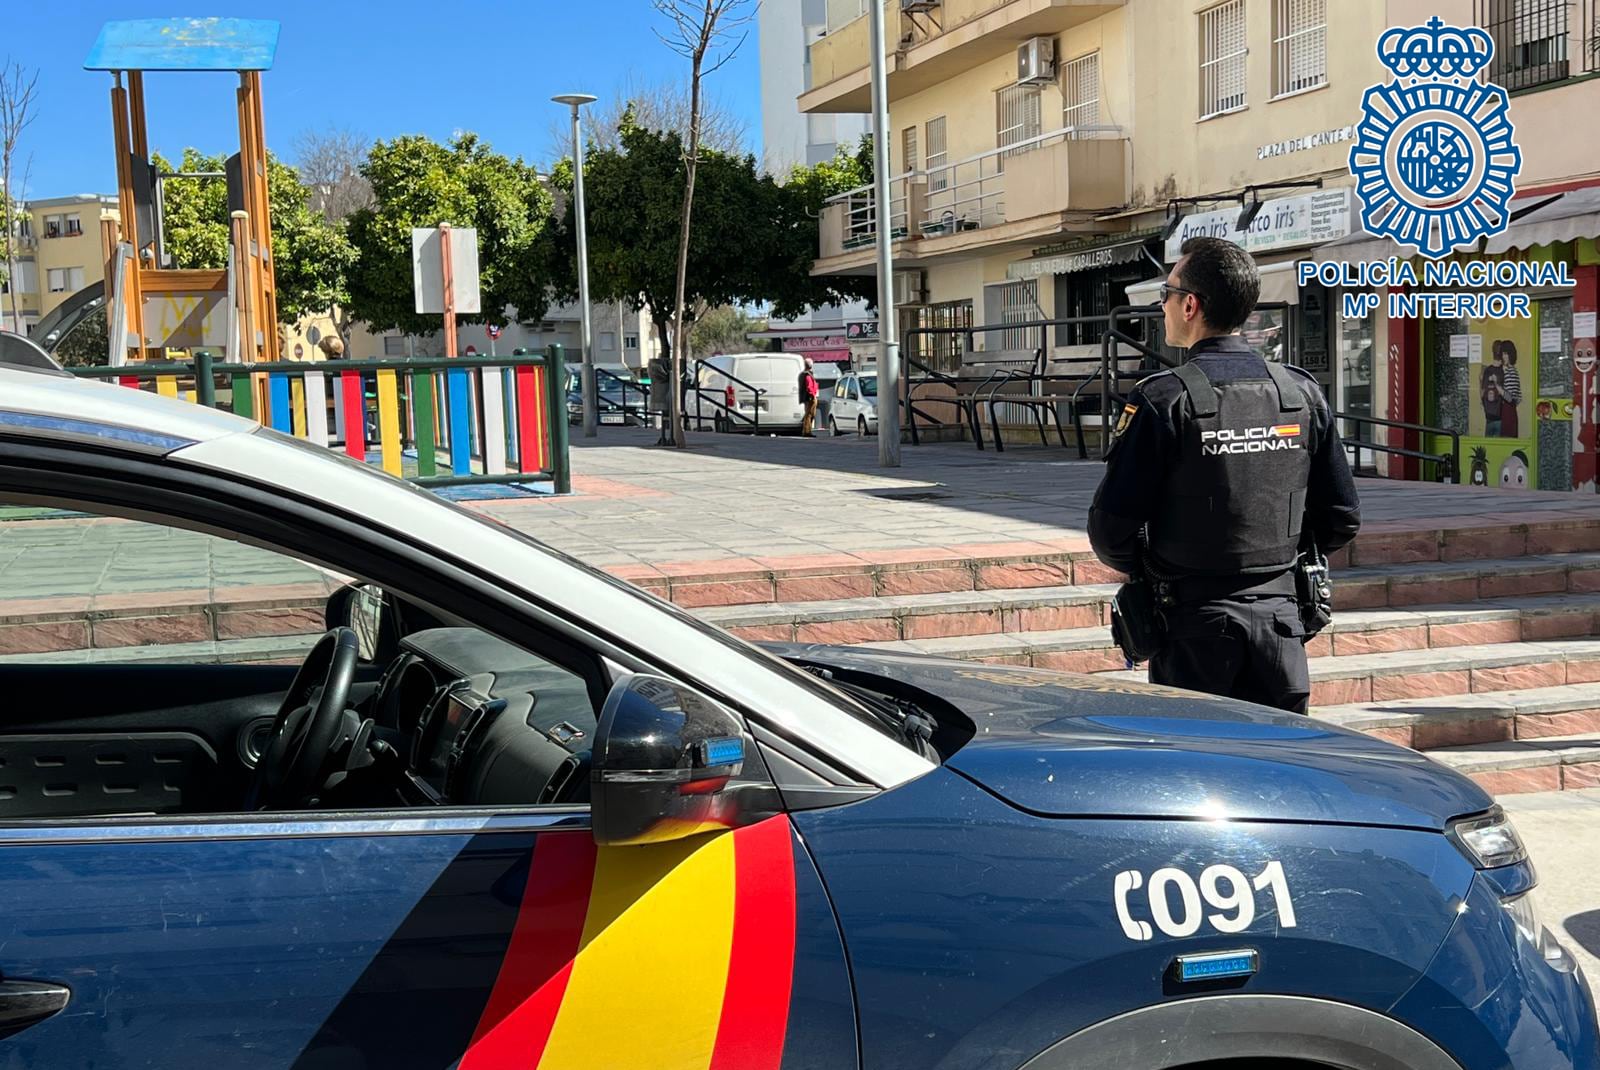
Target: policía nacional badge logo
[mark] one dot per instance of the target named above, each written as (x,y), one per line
(1434,159)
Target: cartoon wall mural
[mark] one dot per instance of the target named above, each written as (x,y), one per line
(1514,471)
(1585,413)
(1480,467)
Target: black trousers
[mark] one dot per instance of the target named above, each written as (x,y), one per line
(1245,647)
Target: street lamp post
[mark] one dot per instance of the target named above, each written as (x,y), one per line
(883,212)
(591,403)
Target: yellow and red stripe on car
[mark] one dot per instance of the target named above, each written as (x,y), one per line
(677,956)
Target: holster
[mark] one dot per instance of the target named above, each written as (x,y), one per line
(1313,590)
(1137,625)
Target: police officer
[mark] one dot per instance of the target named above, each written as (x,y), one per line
(1214,474)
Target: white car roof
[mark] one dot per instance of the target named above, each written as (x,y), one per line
(62,398)
(54,405)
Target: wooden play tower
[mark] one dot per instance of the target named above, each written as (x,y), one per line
(157,305)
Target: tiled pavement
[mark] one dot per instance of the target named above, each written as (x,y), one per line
(736,501)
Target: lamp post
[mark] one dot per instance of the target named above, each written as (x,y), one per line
(591,403)
(889,365)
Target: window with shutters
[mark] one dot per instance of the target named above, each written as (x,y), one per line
(394,345)
(1530,41)
(1299,45)
(1222,56)
(1080,93)
(908,150)
(1017,118)
(933,132)
(1014,302)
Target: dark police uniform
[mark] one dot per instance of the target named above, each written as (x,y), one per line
(1221,463)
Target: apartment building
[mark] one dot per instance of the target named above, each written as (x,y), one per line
(58,242)
(786,32)
(1049,156)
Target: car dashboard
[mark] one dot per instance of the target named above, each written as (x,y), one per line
(479,722)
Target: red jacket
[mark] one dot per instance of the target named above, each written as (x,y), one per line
(808,386)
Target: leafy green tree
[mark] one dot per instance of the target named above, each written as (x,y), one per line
(792,248)
(310,257)
(417,182)
(751,239)
(723,330)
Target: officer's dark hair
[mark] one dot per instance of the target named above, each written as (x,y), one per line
(1225,277)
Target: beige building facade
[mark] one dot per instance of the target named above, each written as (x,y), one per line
(59,253)
(1049,157)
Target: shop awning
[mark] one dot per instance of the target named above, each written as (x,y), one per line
(1280,284)
(1536,219)
(1567,217)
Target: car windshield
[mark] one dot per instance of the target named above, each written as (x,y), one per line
(869,386)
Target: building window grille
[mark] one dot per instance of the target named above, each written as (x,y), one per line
(1222,58)
(1531,40)
(1299,45)
(938,177)
(1017,119)
(1080,92)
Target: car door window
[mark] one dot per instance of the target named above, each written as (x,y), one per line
(147,665)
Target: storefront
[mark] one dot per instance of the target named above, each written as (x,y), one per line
(1521,392)
(1089,278)
(1295,323)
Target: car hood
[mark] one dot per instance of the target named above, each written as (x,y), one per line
(1073,745)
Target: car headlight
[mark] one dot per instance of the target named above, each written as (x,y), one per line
(1489,841)
(1525,915)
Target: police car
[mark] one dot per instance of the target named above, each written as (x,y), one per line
(511,812)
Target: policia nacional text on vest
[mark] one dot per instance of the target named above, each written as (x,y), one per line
(1215,469)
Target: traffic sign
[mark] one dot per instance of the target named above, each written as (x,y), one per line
(299,351)
(472,351)
(494,332)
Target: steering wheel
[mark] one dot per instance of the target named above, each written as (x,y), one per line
(292,765)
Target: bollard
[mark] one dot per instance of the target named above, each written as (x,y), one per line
(205,382)
(556,390)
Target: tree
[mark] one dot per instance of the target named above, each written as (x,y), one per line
(417,182)
(792,248)
(723,330)
(310,256)
(659,105)
(19,89)
(698,27)
(634,200)
(329,163)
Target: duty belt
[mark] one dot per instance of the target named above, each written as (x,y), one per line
(1187,590)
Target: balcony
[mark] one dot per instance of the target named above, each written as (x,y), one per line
(930,46)
(1540,42)
(1033,189)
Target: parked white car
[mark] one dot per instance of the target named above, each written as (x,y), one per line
(727,386)
(855,404)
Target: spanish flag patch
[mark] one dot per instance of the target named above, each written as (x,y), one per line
(1286,430)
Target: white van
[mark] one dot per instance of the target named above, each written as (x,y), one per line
(775,375)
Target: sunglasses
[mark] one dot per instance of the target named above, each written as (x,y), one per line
(1167,290)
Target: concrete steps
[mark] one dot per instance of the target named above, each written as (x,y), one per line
(1553,763)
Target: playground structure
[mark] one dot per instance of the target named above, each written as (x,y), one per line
(151,305)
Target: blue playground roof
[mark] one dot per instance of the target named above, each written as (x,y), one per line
(208,44)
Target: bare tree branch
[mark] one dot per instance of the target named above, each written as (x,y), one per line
(699,25)
(19,90)
(657,105)
(329,162)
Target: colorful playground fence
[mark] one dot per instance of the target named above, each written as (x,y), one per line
(437,421)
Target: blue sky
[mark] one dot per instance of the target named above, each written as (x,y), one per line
(386,69)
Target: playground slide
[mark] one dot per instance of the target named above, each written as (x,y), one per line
(61,321)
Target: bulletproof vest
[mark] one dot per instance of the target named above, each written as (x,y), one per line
(1237,496)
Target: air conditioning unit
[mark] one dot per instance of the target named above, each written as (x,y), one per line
(909,288)
(916,6)
(1036,61)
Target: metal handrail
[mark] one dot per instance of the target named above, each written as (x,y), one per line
(952,203)
(626,385)
(700,392)
(1450,462)
(932,375)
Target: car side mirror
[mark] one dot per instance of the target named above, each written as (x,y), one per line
(363,609)
(663,764)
